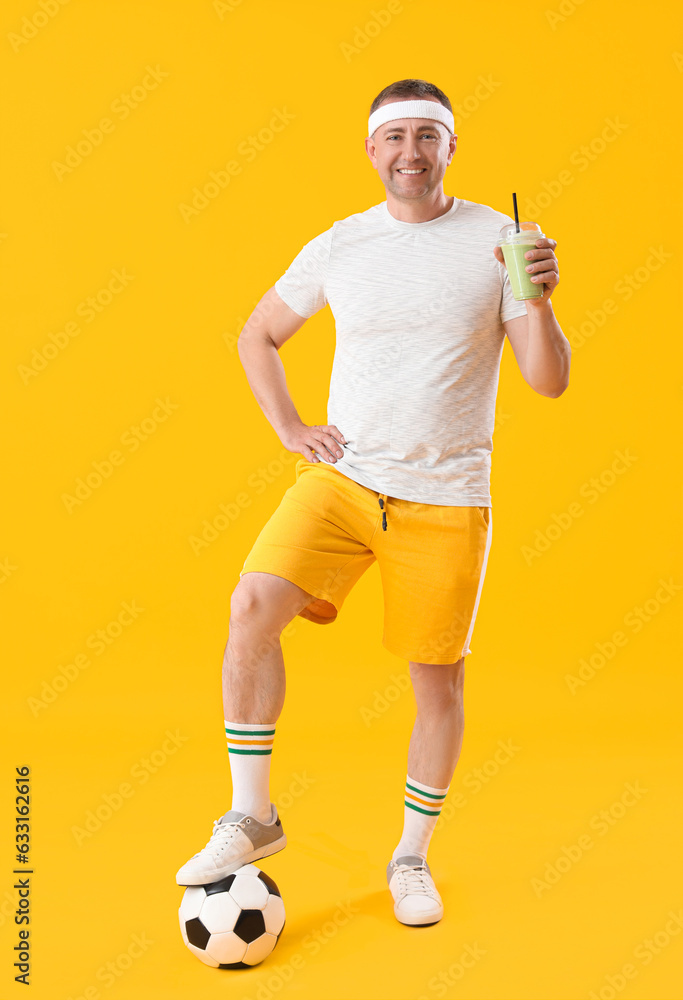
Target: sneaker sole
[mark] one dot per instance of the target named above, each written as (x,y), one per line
(426,921)
(246,859)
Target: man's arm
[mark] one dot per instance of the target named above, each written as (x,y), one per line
(270,325)
(542,351)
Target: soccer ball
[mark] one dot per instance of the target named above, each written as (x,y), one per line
(233,923)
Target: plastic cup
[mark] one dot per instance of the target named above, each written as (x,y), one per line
(514,245)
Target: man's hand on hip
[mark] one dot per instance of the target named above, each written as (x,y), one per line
(325,439)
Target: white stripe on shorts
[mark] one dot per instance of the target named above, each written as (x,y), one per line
(466,648)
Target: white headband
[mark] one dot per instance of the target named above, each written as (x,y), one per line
(411,109)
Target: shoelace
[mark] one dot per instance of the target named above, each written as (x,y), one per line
(221,834)
(413,880)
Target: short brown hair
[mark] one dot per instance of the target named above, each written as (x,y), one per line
(410,88)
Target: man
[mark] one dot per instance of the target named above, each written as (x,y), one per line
(422,305)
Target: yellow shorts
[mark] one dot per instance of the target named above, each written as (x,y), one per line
(328,529)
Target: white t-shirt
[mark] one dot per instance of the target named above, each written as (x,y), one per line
(418,308)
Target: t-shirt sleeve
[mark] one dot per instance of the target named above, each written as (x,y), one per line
(510,308)
(302,286)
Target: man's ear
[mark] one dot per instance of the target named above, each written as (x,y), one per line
(452,142)
(370,150)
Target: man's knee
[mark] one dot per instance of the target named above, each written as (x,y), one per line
(265,602)
(443,681)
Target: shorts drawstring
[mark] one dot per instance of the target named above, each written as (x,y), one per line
(383,509)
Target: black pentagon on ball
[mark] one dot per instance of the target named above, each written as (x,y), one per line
(235,965)
(250,925)
(281,930)
(267,880)
(197,933)
(221,886)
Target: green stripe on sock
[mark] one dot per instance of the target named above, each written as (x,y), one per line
(427,812)
(427,795)
(250,732)
(234,750)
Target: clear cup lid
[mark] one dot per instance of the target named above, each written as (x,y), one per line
(529,232)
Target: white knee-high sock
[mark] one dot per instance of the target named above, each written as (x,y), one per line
(249,748)
(422,806)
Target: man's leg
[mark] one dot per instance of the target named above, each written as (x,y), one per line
(262,604)
(433,753)
(436,739)
(254,683)
(435,746)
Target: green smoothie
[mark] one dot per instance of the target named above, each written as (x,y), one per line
(520,279)
(514,245)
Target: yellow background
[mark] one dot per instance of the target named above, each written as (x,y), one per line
(560,70)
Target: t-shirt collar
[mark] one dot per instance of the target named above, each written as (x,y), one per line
(414,226)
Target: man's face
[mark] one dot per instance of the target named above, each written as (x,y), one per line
(411,144)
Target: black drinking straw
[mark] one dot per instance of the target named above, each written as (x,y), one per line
(514,202)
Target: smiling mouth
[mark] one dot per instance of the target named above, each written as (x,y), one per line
(411,172)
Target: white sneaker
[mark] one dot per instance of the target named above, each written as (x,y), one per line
(416,900)
(237,839)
